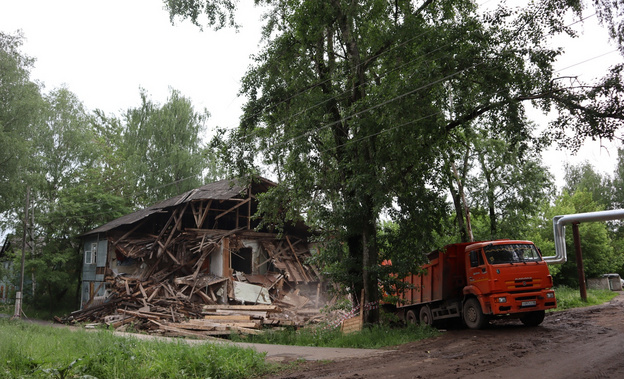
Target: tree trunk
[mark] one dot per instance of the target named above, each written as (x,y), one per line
(490,197)
(370,254)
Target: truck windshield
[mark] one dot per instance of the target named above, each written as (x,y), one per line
(512,253)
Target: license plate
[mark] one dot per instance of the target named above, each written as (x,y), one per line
(531,303)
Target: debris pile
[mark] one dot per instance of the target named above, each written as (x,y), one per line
(163,283)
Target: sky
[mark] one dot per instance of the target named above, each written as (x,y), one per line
(104,51)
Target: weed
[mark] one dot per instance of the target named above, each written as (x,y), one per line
(35,351)
(369,338)
(570,298)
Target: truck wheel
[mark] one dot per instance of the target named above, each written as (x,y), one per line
(410,317)
(533,318)
(473,315)
(425,316)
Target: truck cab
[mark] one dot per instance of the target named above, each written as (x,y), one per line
(506,278)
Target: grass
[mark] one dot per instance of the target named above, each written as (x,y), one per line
(571,298)
(32,312)
(369,338)
(34,351)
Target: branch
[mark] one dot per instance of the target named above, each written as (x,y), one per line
(422,7)
(478,111)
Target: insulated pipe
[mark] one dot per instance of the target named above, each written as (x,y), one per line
(559,223)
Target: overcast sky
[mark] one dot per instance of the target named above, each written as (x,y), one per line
(103,51)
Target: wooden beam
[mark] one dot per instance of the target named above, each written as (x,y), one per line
(226,258)
(130,232)
(305,276)
(232,208)
(205,214)
(249,208)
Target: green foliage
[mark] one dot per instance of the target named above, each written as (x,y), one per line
(83,170)
(361,107)
(374,337)
(568,297)
(21,109)
(583,177)
(162,148)
(507,189)
(30,350)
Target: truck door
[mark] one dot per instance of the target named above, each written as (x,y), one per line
(477,274)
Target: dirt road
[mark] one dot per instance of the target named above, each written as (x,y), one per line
(578,343)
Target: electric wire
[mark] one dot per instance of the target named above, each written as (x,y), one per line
(375,107)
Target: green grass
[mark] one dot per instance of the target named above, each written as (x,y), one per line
(571,298)
(34,351)
(35,313)
(369,338)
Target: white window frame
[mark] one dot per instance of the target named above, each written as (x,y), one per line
(90,255)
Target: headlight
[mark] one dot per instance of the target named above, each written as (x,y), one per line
(550,295)
(501,299)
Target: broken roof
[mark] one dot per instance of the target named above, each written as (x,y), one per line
(221,190)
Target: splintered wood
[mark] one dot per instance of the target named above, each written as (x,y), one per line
(162,283)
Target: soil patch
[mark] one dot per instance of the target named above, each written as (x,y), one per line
(577,343)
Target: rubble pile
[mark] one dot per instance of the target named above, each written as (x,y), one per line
(162,284)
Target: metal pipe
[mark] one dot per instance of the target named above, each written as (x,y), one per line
(559,223)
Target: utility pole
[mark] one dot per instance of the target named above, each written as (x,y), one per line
(19,295)
(579,261)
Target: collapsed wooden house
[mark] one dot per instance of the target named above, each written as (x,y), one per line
(199,256)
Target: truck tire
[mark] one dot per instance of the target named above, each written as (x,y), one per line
(473,315)
(425,316)
(410,317)
(533,318)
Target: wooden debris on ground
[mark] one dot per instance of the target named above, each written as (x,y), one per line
(170,293)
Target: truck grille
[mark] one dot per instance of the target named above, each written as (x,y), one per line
(523,283)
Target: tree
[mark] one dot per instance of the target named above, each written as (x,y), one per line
(583,177)
(356,105)
(618,203)
(21,108)
(510,183)
(70,197)
(162,147)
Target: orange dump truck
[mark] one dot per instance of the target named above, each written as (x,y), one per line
(477,281)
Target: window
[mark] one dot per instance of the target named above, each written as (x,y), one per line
(90,255)
(511,253)
(242,260)
(476,259)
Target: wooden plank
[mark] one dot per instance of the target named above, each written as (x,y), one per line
(154,293)
(352,325)
(254,314)
(231,318)
(227,271)
(123,322)
(205,214)
(139,314)
(129,232)
(207,299)
(142,291)
(305,277)
(232,208)
(180,331)
(166,250)
(255,307)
